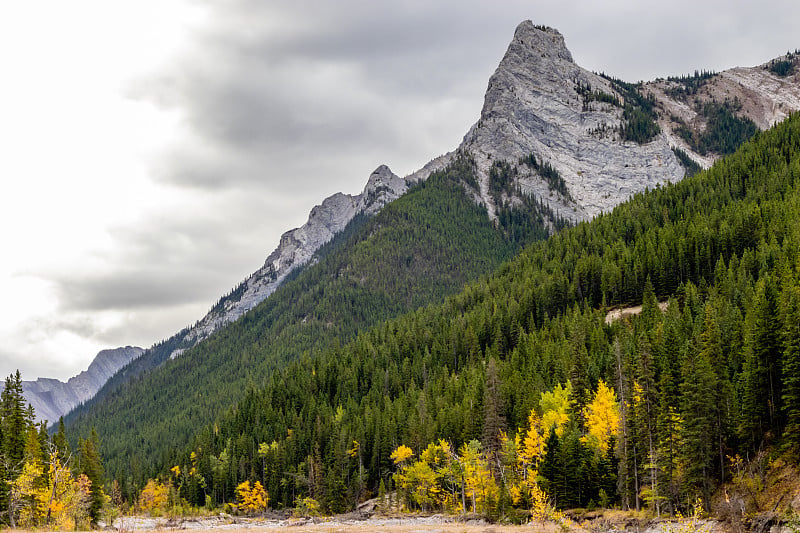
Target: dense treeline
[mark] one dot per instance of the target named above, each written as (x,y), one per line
(703,381)
(42,484)
(725,131)
(416,250)
(690,165)
(688,85)
(638,112)
(784,66)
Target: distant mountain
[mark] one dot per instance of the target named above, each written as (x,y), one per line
(52,398)
(554,142)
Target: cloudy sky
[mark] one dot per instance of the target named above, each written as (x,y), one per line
(153,151)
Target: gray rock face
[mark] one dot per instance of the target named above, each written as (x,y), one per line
(297,247)
(52,398)
(532,106)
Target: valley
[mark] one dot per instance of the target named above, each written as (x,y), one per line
(593,302)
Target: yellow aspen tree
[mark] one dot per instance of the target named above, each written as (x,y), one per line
(480,486)
(251,500)
(535,438)
(153,497)
(602,417)
(71,501)
(26,497)
(423,484)
(402,453)
(556,406)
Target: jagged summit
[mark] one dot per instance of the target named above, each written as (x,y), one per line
(539,41)
(52,398)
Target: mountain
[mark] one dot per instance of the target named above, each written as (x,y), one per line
(554,142)
(51,398)
(572,124)
(607,139)
(704,386)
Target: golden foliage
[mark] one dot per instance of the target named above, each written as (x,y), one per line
(602,417)
(402,453)
(556,406)
(251,500)
(154,496)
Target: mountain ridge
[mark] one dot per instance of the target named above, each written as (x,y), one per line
(52,398)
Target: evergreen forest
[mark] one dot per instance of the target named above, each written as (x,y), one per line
(525,390)
(43,483)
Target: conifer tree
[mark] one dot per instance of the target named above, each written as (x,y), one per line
(698,414)
(761,396)
(494,421)
(91,466)
(791,368)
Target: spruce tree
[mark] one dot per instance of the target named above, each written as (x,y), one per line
(791,369)
(493,418)
(92,466)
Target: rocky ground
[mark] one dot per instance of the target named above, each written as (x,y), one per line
(408,524)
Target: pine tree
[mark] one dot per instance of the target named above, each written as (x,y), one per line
(698,414)
(761,395)
(60,440)
(791,368)
(91,465)
(494,421)
(14,421)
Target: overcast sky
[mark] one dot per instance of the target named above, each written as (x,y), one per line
(153,151)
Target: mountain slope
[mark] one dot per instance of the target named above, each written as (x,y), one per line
(416,250)
(294,250)
(716,372)
(574,125)
(52,398)
(540,104)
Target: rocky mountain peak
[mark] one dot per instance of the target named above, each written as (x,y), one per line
(52,398)
(540,104)
(536,42)
(382,187)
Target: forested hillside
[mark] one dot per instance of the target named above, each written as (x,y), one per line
(421,247)
(514,385)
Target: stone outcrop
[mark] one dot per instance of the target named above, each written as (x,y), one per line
(52,398)
(533,106)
